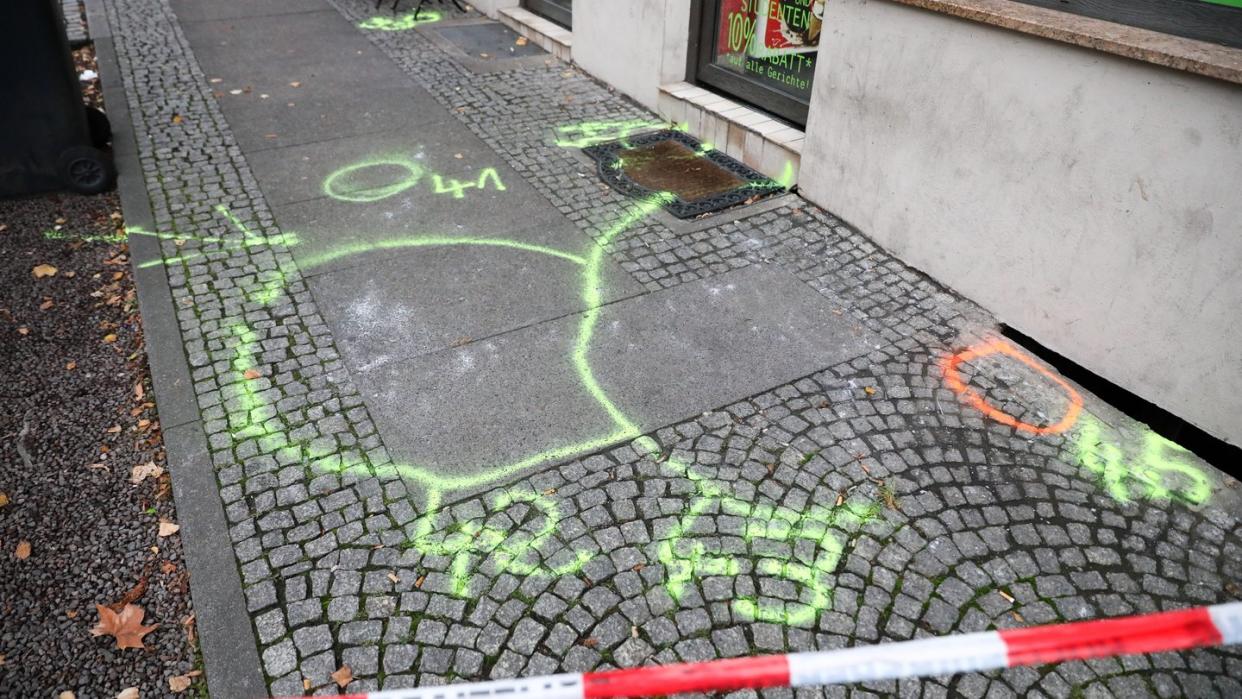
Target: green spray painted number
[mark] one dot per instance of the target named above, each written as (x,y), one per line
(1157,472)
(458,188)
(595,132)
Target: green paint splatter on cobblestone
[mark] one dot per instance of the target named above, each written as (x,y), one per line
(1155,473)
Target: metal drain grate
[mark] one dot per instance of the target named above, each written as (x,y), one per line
(702,181)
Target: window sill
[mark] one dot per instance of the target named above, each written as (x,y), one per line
(1203,58)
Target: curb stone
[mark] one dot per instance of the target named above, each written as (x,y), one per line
(230,654)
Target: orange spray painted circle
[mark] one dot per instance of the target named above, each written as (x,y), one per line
(953,378)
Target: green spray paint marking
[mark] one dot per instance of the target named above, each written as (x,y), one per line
(519,548)
(767,528)
(458,188)
(1156,473)
(595,132)
(381,177)
(249,239)
(401,22)
(352,183)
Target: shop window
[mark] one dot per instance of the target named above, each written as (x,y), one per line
(761,51)
(559,11)
(1216,21)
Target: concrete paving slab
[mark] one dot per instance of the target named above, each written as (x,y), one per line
(660,358)
(433,298)
(300,173)
(206,10)
(254,45)
(336,234)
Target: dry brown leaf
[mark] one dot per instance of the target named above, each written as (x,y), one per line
(521,41)
(23,330)
(252,374)
(177,118)
(129,693)
(125,627)
(71,366)
(41,271)
(110,338)
(168,528)
(115,429)
(141,472)
(71,613)
(47,303)
(168,567)
(4,499)
(139,392)
(295,83)
(179,683)
(869,390)
(393,577)
(343,676)
(23,550)
(590,642)
(66,695)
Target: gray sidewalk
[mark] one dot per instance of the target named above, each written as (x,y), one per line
(441,406)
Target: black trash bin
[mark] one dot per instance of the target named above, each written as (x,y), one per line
(49,140)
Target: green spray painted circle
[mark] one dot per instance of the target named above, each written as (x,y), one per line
(363,182)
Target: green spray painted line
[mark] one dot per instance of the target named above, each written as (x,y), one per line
(400,23)
(412,242)
(595,132)
(52,234)
(249,240)
(1151,474)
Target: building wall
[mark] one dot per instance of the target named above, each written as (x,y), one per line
(492,8)
(1090,201)
(635,45)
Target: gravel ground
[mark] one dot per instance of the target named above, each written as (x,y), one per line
(76,416)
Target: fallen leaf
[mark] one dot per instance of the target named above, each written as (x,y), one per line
(590,642)
(343,676)
(295,83)
(110,338)
(393,577)
(179,683)
(139,392)
(521,41)
(306,685)
(23,330)
(168,567)
(23,550)
(4,499)
(71,366)
(71,613)
(190,636)
(459,156)
(114,429)
(141,472)
(1017,617)
(66,695)
(126,627)
(132,595)
(41,271)
(550,491)
(47,303)
(129,693)
(177,118)
(70,274)
(168,528)
(869,390)
(252,374)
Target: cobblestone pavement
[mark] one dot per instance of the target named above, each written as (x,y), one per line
(872,499)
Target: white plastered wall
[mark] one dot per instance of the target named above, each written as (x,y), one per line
(633,45)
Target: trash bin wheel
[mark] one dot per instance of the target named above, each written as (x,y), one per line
(100,127)
(86,170)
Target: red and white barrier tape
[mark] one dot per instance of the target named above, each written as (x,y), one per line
(1150,633)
